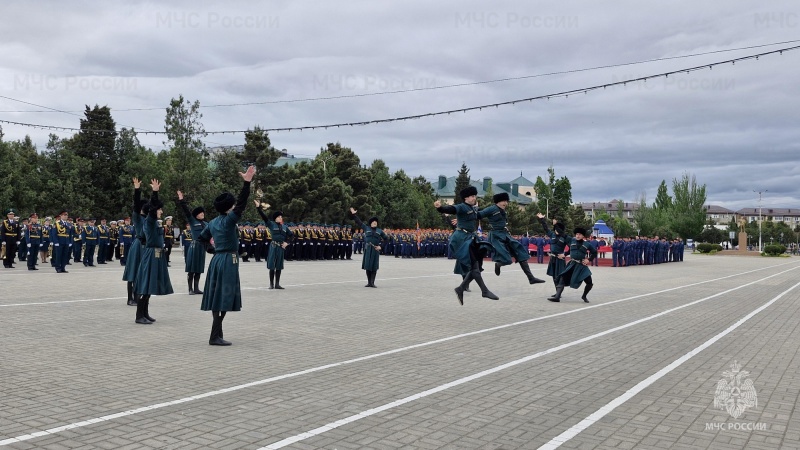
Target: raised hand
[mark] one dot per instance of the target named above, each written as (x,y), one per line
(353,211)
(540,215)
(248,175)
(155,184)
(257,202)
(180,195)
(136,183)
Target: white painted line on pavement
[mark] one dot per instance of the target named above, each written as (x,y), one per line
(642,385)
(364,358)
(411,398)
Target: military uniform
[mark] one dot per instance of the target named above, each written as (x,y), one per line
(9,238)
(61,237)
(103,241)
(89,236)
(169,238)
(33,239)
(77,241)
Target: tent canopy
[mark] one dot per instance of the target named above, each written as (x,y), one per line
(600,229)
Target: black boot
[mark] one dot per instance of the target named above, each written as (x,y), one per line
(278,280)
(216,330)
(557,296)
(527,269)
(146,309)
(463,287)
(497,269)
(369,279)
(586,291)
(272,278)
(197,284)
(140,319)
(189,277)
(476,275)
(131,299)
(372,279)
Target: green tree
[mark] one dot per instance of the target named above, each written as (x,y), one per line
(462,182)
(65,178)
(688,213)
(95,142)
(663,200)
(136,161)
(187,156)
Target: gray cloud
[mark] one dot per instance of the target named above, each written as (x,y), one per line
(733,127)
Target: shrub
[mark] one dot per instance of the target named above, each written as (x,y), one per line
(708,248)
(774,250)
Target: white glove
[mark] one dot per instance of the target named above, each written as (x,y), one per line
(3,243)
(29,245)
(17,242)
(70,245)
(56,244)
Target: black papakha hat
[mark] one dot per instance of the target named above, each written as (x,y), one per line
(468,191)
(501,197)
(224,202)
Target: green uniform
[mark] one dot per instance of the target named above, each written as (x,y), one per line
(222,289)
(464,244)
(373,237)
(152,278)
(504,245)
(578,251)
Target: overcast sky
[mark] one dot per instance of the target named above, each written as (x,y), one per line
(734,127)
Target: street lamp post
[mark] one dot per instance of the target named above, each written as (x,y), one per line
(759,217)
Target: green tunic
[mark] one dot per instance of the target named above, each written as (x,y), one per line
(134,255)
(504,245)
(578,251)
(196,254)
(373,237)
(464,238)
(558,244)
(280,233)
(152,278)
(223,291)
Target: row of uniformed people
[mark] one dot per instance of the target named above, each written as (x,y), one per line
(645,251)
(32,240)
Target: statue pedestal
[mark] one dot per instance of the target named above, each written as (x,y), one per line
(742,241)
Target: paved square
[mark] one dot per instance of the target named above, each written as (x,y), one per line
(329,364)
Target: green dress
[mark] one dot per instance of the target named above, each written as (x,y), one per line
(504,245)
(223,290)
